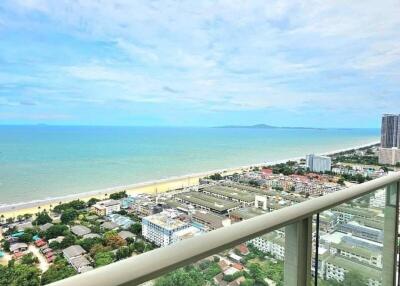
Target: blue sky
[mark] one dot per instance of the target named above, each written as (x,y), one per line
(199,63)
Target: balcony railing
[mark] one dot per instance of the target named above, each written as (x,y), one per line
(297,221)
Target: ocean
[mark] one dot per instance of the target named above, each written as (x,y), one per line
(39,162)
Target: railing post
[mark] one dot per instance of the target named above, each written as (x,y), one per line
(298,251)
(390,230)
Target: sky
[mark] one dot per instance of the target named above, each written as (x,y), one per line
(199,63)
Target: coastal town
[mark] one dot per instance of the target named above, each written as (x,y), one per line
(80,235)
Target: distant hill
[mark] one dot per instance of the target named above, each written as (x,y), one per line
(265,126)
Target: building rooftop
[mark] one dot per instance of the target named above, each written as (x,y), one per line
(18,245)
(358,250)
(46,226)
(250,189)
(364,212)
(208,201)
(247,213)
(215,221)
(165,221)
(24,225)
(91,235)
(274,237)
(73,251)
(79,262)
(124,234)
(80,230)
(187,233)
(106,203)
(349,265)
(109,225)
(233,193)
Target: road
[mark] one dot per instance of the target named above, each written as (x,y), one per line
(43,264)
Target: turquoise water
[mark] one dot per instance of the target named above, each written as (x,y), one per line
(38,162)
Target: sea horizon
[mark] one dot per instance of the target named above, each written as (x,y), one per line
(42,162)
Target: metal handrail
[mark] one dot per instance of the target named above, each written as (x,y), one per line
(152,264)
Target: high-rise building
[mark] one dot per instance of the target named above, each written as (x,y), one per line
(389,152)
(390,131)
(318,163)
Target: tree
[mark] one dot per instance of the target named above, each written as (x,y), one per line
(97,248)
(26,237)
(118,195)
(76,205)
(103,258)
(136,228)
(248,282)
(341,181)
(67,241)
(92,201)
(68,215)
(354,278)
(88,243)
(29,259)
(57,271)
(182,277)
(19,275)
(42,218)
(257,273)
(113,240)
(216,177)
(55,245)
(123,252)
(55,230)
(139,246)
(6,246)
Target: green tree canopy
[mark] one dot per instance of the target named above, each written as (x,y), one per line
(42,218)
(103,258)
(57,271)
(69,215)
(55,230)
(182,277)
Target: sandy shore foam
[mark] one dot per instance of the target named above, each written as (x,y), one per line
(152,187)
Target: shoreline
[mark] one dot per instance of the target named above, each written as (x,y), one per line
(150,187)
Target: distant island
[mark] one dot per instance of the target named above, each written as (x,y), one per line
(266,126)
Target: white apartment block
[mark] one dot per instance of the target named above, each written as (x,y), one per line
(337,272)
(160,228)
(318,163)
(106,207)
(389,156)
(272,244)
(378,200)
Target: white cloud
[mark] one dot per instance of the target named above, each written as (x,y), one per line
(234,54)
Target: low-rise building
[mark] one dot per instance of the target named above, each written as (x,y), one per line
(206,202)
(124,234)
(46,226)
(106,207)
(81,264)
(109,225)
(122,221)
(209,221)
(73,251)
(80,230)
